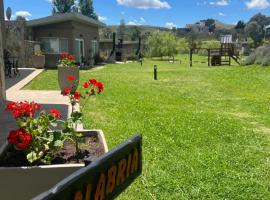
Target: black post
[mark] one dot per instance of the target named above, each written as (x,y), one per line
(209,57)
(155,72)
(190,57)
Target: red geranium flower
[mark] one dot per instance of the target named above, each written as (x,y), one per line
(63,54)
(56,113)
(67,91)
(71,57)
(86,84)
(22,109)
(99,86)
(20,139)
(77,95)
(93,81)
(71,78)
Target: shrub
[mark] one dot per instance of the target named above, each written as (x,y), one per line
(260,56)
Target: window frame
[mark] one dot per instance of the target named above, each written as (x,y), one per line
(58,42)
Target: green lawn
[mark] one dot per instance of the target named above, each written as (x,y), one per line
(206,130)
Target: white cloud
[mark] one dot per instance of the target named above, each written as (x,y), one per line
(24,14)
(170,25)
(136,22)
(220,3)
(133,23)
(221,14)
(50,1)
(102,18)
(144,4)
(258,4)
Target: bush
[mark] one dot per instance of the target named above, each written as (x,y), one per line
(260,56)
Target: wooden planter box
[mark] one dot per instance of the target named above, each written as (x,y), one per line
(25,183)
(38,61)
(63,73)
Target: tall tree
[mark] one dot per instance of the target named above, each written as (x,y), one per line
(87,8)
(121,30)
(255,31)
(62,6)
(240,25)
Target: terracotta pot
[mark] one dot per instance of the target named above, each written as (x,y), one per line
(24,183)
(38,61)
(63,73)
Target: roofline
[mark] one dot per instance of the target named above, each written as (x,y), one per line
(57,18)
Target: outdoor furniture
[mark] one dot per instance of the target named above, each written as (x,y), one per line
(11,64)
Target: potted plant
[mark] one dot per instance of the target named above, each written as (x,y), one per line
(37,156)
(39,60)
(67,68)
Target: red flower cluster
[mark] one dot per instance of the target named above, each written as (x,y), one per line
(96,84)
(55,113)
(23,109)
(75,96)
(64,55)
(20,139)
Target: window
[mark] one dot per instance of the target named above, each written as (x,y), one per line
(54,45)
(95,47)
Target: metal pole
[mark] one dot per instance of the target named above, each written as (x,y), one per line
(155,72)
(190,57)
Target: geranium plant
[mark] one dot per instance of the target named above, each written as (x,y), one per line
(35,135)
(90,88)
(67,60)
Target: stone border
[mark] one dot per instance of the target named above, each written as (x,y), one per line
(26,80)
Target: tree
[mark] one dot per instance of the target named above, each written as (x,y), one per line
(255,31)
(262,20)
(240,25)
(60,6)
(87,8)
(135,33)
(165,44)
(121,30)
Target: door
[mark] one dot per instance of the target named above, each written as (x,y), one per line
(79,50)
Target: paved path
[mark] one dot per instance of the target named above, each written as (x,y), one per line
(47,99)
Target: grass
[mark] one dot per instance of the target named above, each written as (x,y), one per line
(206,130)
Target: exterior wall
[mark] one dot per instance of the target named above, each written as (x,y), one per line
(69,30)
(59,30)
(2,72)
(88,34)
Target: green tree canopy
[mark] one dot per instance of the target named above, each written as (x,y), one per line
(87,8)
(165,44)
(62,6)
(255,31)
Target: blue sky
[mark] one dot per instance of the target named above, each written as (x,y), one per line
(154,12)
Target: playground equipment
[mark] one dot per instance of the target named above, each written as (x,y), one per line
(221,56)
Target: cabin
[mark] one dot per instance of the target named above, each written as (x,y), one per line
(71,32)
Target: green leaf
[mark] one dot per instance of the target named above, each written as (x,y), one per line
(59,143)
(32,157)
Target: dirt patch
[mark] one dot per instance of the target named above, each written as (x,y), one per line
(242,115)
(67,155)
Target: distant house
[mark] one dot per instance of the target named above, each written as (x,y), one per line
(199,27)
(71,32)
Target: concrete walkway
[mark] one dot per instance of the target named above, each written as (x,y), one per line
(47,99)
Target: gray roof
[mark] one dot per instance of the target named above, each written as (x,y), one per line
(57,18)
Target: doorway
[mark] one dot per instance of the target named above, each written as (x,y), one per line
(79,50)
